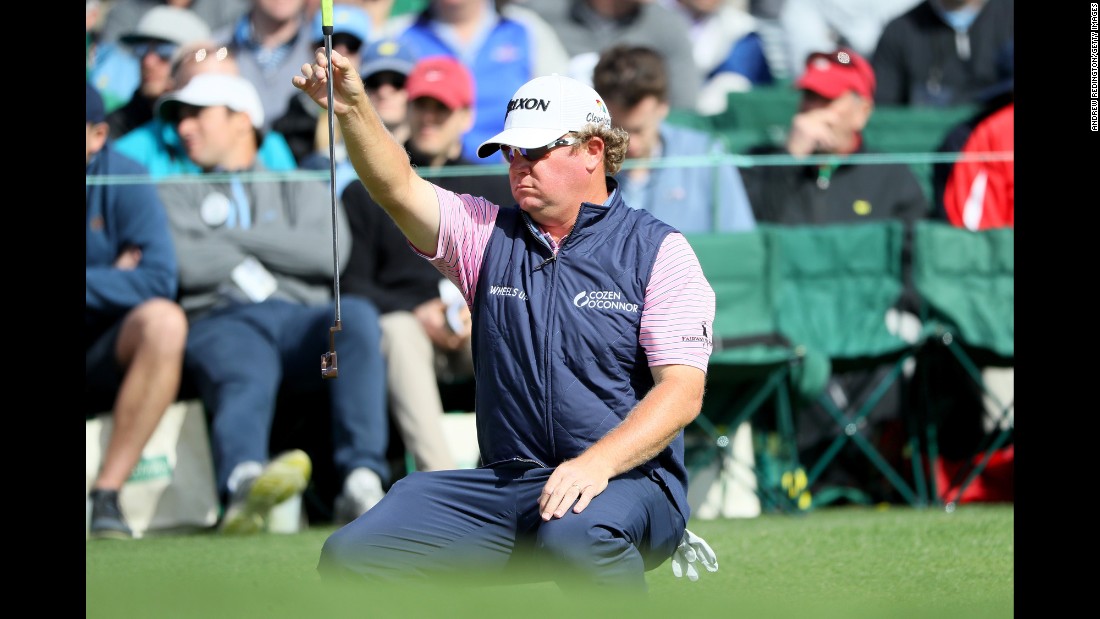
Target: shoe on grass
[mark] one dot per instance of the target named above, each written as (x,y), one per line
(107,519)
(362,491)
(282,478)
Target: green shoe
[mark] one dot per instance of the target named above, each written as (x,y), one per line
(281,479)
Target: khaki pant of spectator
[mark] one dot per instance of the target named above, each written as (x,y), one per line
(415,404)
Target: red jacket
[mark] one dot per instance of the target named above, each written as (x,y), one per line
(980,194)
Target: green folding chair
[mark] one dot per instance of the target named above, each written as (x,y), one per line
(966,281)
(766,109)
(753,364)
(837,285)
(904,129)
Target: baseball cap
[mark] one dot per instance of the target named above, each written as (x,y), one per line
(96,113)
(168,23)
(544,109)
(210,89)
(831,74)
(442,78)
(346,19)
(387,55)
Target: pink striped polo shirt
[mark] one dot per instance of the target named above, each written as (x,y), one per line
(678,312)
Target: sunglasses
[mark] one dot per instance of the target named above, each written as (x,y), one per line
(351,42)
(377,80)
(534,154)
(163,50)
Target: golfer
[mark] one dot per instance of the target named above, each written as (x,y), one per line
(591,336)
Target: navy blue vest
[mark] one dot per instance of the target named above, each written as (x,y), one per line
(557,359)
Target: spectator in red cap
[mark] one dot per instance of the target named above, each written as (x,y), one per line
(838,89)
(441,98)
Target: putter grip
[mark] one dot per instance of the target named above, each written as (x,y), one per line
(326,16)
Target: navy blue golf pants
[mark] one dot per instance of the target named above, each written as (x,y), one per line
(240,356)
(477,521)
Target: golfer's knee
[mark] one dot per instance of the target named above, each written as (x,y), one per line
(581,544)
(339,556)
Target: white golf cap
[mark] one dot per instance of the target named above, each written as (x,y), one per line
(210,89)
(544,109)
(168,23)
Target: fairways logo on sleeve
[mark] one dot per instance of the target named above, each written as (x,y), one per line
(604,300)
(704,338)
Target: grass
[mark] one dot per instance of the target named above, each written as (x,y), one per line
(847,562)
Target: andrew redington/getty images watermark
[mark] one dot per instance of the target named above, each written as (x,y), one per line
(1094,66)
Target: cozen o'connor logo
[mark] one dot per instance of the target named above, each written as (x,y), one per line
(604,300)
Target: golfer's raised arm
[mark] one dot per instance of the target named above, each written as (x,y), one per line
(381,163)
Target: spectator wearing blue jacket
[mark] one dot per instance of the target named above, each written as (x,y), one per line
(134,332)
(692,197)
(498,51)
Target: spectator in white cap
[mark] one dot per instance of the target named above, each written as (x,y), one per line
(227,116)
(591,338)
(257,265)
(158,36)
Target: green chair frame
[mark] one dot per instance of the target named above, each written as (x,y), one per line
(752,363)
(836,285)
(966,281)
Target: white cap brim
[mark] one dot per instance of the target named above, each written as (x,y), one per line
(211,89)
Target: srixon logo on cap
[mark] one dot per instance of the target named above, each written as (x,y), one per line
(527,104)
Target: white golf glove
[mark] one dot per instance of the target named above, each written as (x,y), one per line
(693,549)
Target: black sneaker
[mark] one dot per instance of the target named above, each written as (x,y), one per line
(107,519)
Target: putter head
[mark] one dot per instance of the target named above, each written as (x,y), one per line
(328,365)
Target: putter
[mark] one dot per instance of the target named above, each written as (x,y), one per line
(329,368)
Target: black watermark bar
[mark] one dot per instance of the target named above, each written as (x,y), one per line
(1094,66)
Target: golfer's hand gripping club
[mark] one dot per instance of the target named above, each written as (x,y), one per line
(693,549)
(329,368)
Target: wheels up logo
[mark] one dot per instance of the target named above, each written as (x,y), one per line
(508,291)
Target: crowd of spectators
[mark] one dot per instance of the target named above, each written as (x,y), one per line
(204,88)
